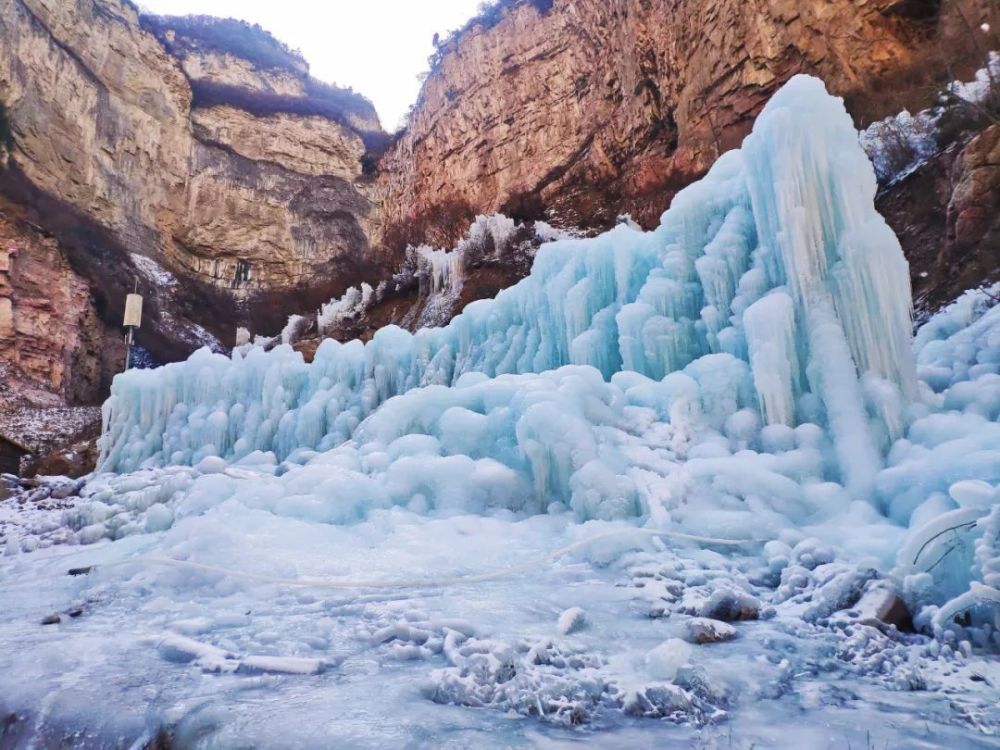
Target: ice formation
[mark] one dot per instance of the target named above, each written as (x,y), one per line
(760,338)
(442,275)
(344,307)
(771,308)
(788,217)
(745,372)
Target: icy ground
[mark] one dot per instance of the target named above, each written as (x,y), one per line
(696,487)
(231,663)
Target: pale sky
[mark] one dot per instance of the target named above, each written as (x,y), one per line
(378,47)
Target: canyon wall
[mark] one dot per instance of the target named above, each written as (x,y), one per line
(591,108)
(53,348)
(153,152)
(946,214)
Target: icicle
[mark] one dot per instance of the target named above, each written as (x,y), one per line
(770,332)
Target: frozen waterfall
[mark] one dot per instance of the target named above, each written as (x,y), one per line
(771,286)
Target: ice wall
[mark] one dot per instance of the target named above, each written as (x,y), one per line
(773,281)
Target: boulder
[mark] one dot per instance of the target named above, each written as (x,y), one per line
(706,630)
(730,605)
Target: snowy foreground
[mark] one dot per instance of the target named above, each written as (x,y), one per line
(698,488)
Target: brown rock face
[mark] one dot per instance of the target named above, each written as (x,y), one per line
(75,460)
(947,217)
(974,208)
(53,348)
(231,170)
(306,145)
(600,107)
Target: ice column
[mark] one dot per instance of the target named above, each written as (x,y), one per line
(812,190)
(445,269)
(769,324)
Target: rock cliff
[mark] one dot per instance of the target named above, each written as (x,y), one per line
(947,217)
(189,149)
(53,348)
(591,108)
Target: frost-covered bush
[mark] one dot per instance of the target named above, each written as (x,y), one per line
(294,329)
(901,143)
(437,276)
(351,305)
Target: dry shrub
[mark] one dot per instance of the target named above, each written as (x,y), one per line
(962,118)
(321,100)
(524,206)
(490,13)
(954,46)
(441,225)
(249,41)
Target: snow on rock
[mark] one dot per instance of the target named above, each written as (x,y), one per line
(707,630)
(880,606)
(42,429)
(153,271)
(730,605)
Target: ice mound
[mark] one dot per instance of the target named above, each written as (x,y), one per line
(773,280)
(742,371)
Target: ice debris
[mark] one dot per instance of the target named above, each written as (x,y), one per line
(665,660)
(572,620)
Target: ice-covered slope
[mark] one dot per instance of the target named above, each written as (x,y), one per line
(772,284)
